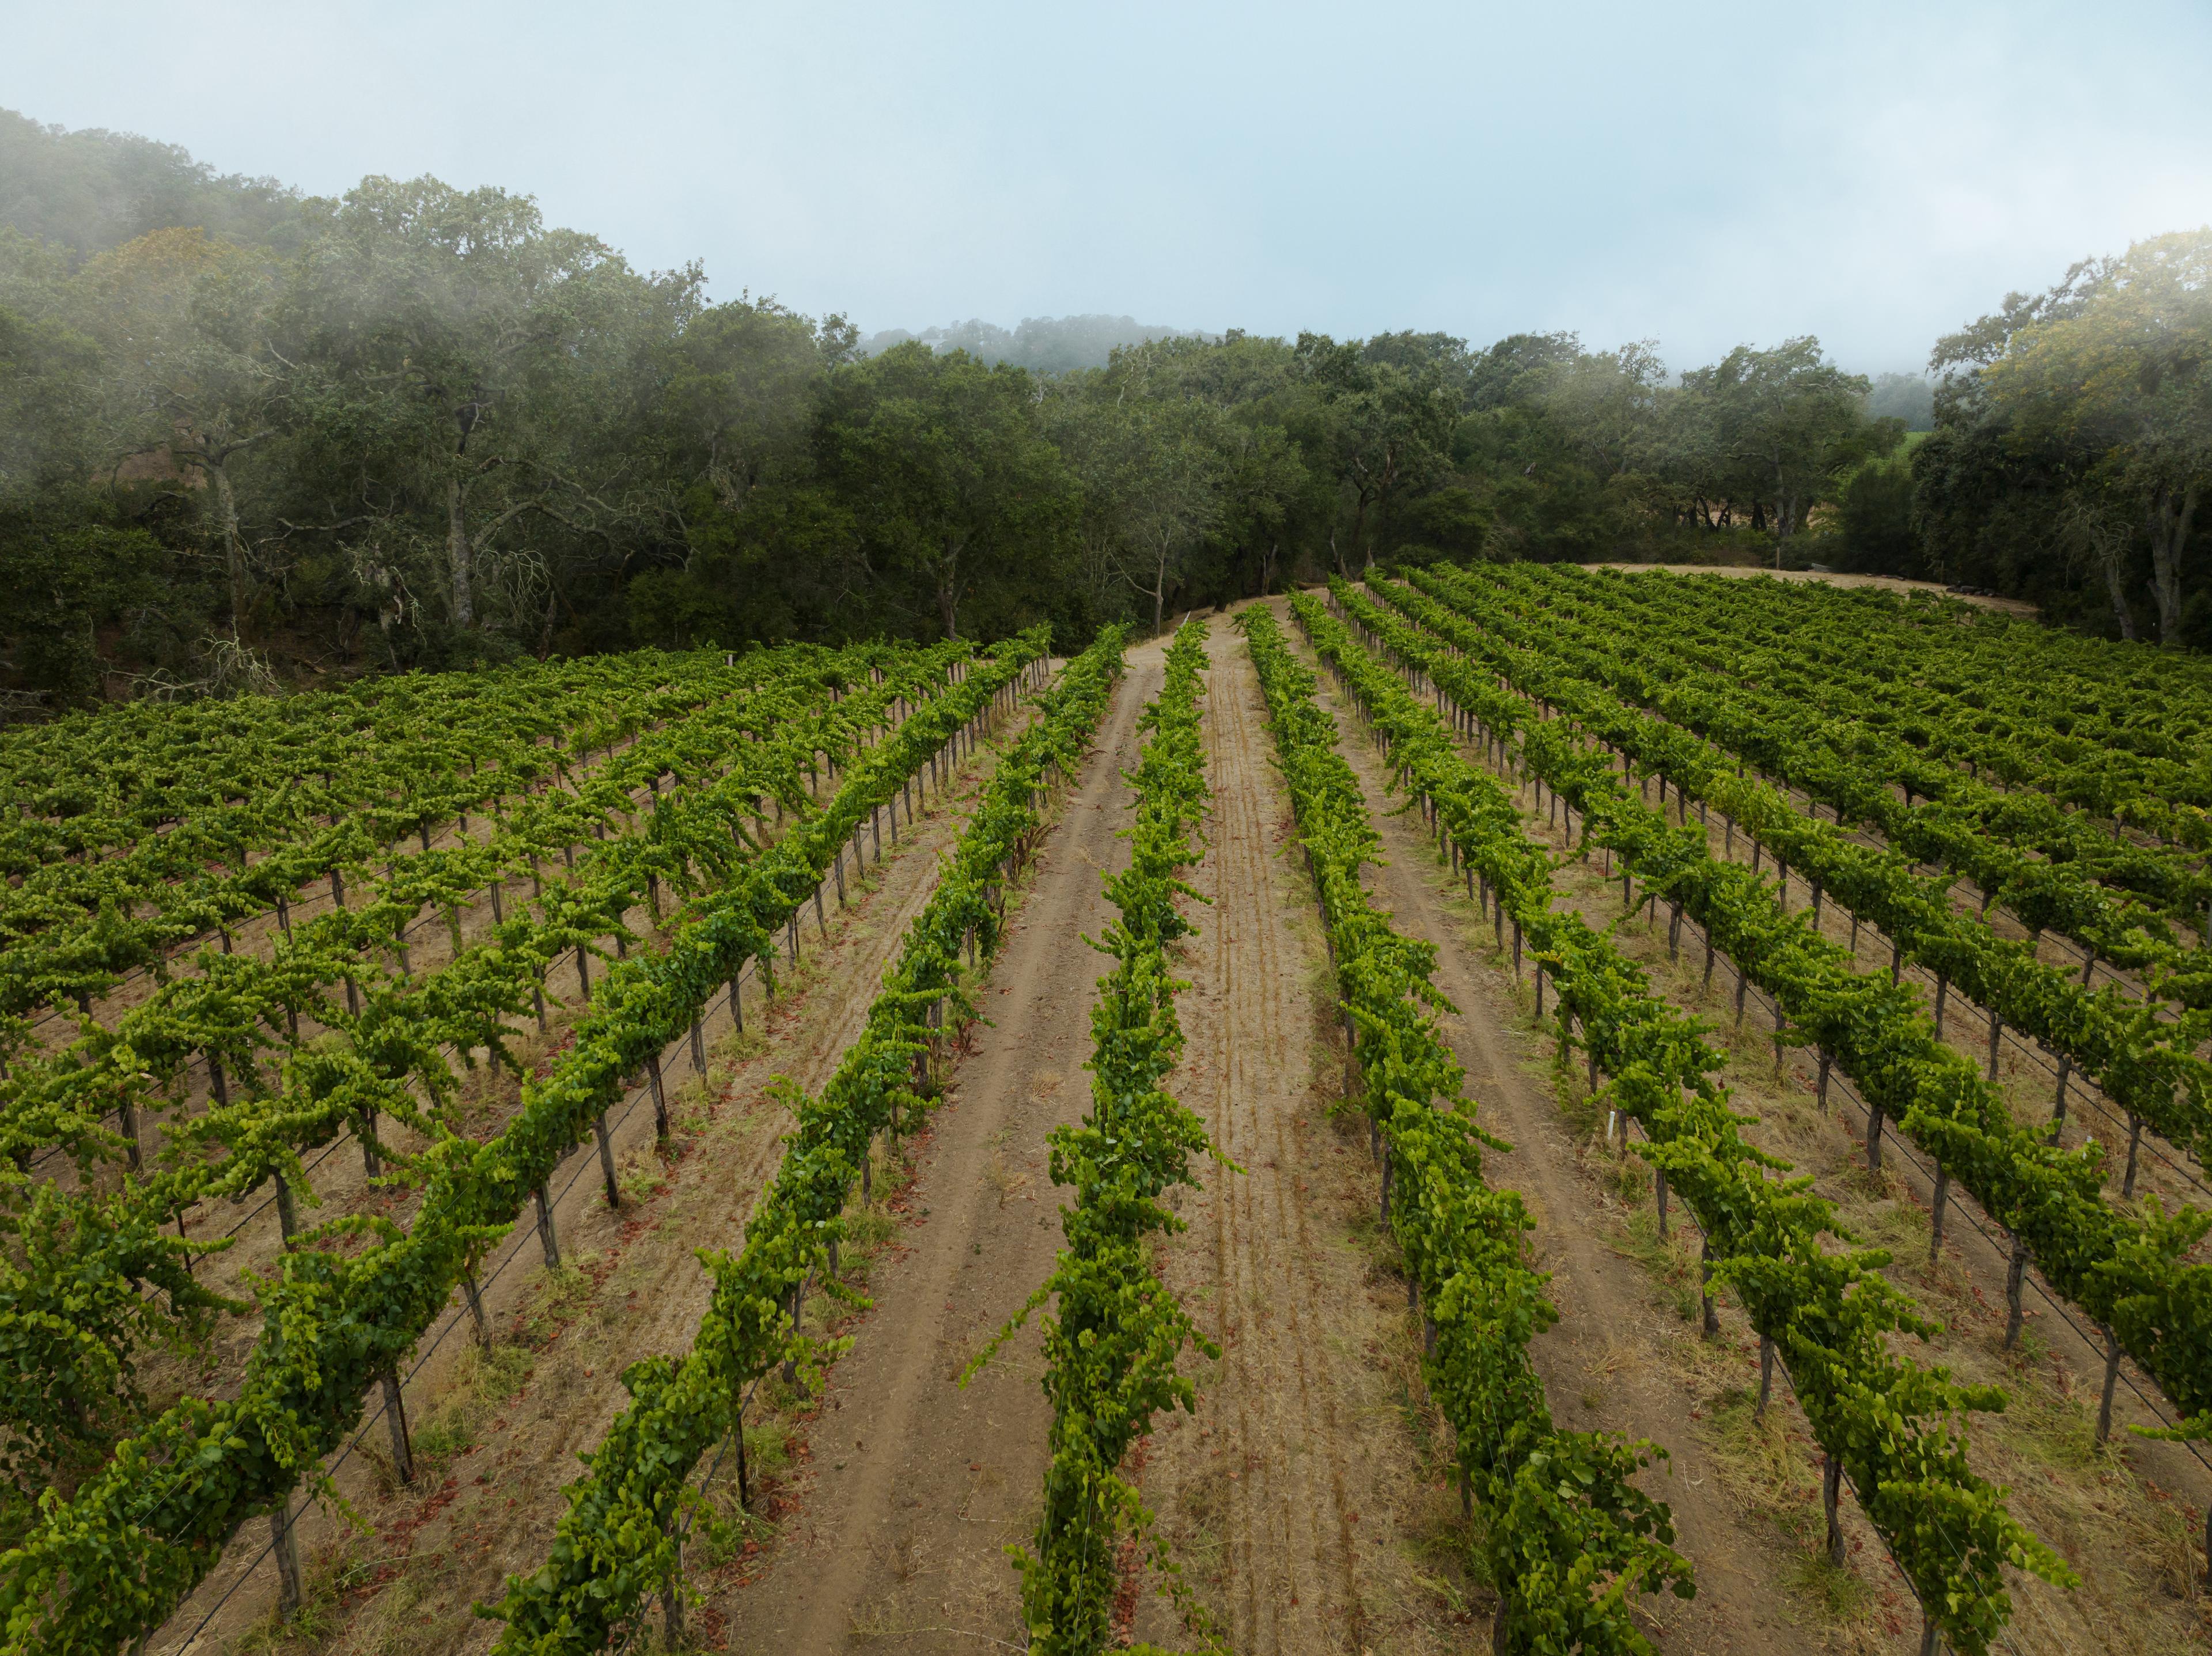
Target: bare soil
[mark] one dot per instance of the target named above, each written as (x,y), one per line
(1305,1499)
(495,1430)
(913,1486)
(2125,1515)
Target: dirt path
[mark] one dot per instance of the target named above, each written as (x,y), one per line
(1605,1364)
(1297,1497)
(915,1485)
(2112,1512)
(496,1435)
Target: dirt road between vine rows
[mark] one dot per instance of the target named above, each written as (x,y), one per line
(1606,1363)
(897,1523)
(1297,1499)
(496,1434)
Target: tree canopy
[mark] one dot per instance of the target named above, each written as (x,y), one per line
(2074,436)
(247,436)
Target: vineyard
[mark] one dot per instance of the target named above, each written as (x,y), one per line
(1581,1110)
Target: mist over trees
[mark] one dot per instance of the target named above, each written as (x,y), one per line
(91,190)
(248,438)
(1043,344)
(2073,447)
(1907,397)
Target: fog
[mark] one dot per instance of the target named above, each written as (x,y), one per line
(1702,175)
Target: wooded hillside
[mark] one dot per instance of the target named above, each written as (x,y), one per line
(249,438)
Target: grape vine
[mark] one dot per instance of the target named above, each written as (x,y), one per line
(617,1541)
(1895,1427)
(1569,1540)
(1112,1343)
(110,1562)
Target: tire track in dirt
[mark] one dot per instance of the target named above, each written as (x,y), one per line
(1292,1497)
(1294,1549)
(915,1485)
(1602,1363)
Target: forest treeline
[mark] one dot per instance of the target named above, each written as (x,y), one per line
(1043,344)
(248,436)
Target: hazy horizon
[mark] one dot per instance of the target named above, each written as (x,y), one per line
(1590,169)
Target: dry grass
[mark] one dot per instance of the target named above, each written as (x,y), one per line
(2135,1548)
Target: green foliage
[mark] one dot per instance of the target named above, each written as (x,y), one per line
(1896,1428)
(2118,899)
(1379,423)
(2131,1275)
(950,482)
(1909,398)
(1111,1351)
(1197,470)
(142,829)
(92,190)
(1875,530)
(77,568)
(615,1543)
(1569,1540)
(2102,379)
(113,1560)
(721,735)
(418,427)
(1784,426)
(1041,344)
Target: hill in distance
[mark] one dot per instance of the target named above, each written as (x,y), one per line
(93,190)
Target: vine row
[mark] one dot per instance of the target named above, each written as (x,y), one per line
(111,878)
(2115,899)
(1111,1346)
(97,1569)
(1893,1428)
(2148,1066)
(1569,1540)
(74,1295)
(619,1540)
(2131,1274)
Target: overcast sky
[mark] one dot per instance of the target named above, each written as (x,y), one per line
(1700,174)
